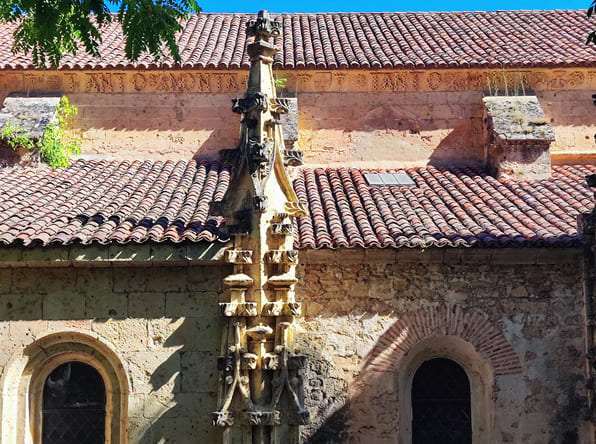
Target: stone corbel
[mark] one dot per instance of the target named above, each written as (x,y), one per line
(238,283)
(273,308)
(281,225)
(284,257)
(270,361)
(282,280)
(279,308)
(249,361)
(239,257)
(261,418)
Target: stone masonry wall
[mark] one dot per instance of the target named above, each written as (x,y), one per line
(163,322)
(351,309)
(409,117)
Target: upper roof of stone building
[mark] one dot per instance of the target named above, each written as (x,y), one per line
(506,39)
(102,202)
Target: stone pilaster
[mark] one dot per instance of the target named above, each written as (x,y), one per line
(261,398)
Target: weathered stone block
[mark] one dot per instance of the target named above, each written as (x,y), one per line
(152,371)
(198,371)
(196,304)
(65,304)
(146,305)
(5,280)
(166,279)
(94,279)
(127,335)
(130,279)
(205,278)
(105,304)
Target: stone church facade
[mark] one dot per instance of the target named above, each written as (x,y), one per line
(421,215)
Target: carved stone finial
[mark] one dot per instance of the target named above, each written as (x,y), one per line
(263,28)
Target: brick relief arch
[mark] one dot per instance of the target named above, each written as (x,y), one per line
(472,326)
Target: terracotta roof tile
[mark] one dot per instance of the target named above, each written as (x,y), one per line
(103,202)
(361,40)
(110,201)
(447,207)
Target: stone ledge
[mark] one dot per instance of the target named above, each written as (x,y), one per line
(112,255)
(447,255)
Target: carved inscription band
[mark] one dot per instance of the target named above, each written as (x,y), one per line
(501,81)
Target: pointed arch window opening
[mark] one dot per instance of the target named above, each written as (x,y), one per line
(74,405)
(441,403)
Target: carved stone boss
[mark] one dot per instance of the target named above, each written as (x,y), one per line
(261,389)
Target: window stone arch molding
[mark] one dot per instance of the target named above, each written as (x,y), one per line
(477,368)
(467,336)
(23,380)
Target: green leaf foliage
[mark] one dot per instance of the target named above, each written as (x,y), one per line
(49,28)
(52,148)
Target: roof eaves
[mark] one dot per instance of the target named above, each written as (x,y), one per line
(112,254)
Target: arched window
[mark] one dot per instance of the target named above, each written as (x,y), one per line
(441,408)
(61,385)
(74,405)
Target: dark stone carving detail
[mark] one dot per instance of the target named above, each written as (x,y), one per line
(260,203)
(229,157)
(262,418)
(293,158)
(263,27)
(259,158)
(250,102)
(225,364)
(223,419)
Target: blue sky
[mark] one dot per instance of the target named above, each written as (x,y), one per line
(383,5)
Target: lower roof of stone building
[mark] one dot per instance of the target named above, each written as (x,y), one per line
(145,201)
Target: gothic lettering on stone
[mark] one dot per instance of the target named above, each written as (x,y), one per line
(54,82)
(304,80)
(72,82)
(172,82)
(416,79)
(538,80)
(558,81)
(138,81)
(33,82)
(389,82)
(576,79)
(361,82)
(226,83)
(202,83)
(323,80)
(340,77)
(434,80)
(455,81)
(102,82)
(119,80)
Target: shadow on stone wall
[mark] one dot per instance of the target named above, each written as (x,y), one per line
(366,411)
(182,397)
